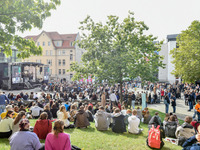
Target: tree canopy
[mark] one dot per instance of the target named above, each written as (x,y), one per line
(187,54)
(22,15)
(117,50)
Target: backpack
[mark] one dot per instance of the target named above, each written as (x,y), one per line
(170,130)
(154,137)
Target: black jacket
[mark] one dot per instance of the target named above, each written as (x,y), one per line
(118,123)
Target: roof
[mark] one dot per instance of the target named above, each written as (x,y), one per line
(172,37)
(55,36)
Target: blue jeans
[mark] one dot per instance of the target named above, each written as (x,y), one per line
(133,104)
(166,108)
(2,108)
(195,113)
(174,109)
(190,105)
(198,114)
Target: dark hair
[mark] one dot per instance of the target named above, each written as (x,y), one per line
(19,117)
(102,108)
(8,113)
(90,107)
(43,116)
(58,127)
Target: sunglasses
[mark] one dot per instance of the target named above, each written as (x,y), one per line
(12,114)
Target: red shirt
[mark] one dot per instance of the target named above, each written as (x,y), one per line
(42,128)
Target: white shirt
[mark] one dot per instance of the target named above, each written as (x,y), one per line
(36,110)
(133,124)
(113,97)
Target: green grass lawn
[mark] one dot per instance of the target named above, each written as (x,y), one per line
(91,139)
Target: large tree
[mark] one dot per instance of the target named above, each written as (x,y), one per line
(117,50)
(22,15)
(187,54)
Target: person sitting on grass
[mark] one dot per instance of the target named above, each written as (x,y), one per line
(24,139)
(73,112)
(155,120)
(58,140)
(43,126)
(185,131)
(139,113)
(118,125)
(192,143)
(36,111)
(6,125)
(133,123)
(101,119)
(8,108)
(89,110)
(81,118)
(17,120)
(170,127)
(63,115)
(166,119)
(128,114)
(147,118)
(47,110)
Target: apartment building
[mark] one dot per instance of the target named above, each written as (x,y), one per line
(59,52)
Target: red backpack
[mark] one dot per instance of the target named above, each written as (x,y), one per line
(154,137)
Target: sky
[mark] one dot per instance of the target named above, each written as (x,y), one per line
(163,17)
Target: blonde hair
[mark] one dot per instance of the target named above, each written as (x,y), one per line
(63,109)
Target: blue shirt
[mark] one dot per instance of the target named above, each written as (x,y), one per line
(2,99)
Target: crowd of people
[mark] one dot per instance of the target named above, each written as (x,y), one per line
(76,105)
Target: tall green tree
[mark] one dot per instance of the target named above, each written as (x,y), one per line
(186,57)
(117,50)
(22,15)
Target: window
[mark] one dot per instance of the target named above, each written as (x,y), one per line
(50,71)
(57,44)
(59,62)
(63,71)
(38,43)
(71,56)
(59,52)
(71,43)
(63,52)
(70,65)
(71,50)
(43,43)
(38,60)
(51,52)
(49,43)
(47,53)
(63,62)
(71,76)
(49,62)
(59,72)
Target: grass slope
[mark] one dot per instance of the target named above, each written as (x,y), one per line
(91,139)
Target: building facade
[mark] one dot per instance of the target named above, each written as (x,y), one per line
(59,51)
(165,75)
(9,59)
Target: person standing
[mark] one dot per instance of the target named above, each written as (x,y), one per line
(173,103)
(103,99)
(133,100)
(113,99)
(3,97)
(197,107)
(166,102)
